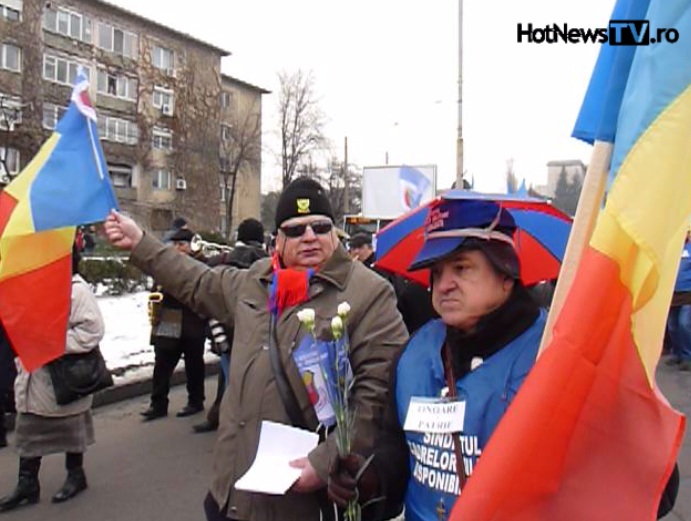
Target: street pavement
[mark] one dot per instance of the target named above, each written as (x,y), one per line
(136,471)
(161,471)
(676,386)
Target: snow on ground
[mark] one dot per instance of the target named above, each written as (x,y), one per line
(126,345)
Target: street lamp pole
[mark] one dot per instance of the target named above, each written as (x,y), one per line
(346,183)
(459,137)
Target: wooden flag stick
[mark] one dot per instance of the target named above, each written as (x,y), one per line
(589,204)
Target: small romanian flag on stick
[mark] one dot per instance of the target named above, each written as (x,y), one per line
(66,184)
(589,436)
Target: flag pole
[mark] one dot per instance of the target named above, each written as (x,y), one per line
(588,208)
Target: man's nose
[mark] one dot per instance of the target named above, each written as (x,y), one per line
(309,234)
(443,281)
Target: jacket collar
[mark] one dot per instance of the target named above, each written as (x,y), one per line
(336,270)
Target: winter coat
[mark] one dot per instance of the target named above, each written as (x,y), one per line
(239,298)
(242,256)
(34,391)
(8,371)
(189,323)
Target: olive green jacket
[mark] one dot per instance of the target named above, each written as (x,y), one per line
(239,299)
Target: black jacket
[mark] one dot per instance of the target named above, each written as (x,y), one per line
(8,370)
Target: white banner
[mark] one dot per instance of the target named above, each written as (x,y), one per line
(390,191)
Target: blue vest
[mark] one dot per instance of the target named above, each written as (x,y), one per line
(683,282)
(487,391)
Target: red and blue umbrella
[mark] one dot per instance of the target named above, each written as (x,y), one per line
(541,236)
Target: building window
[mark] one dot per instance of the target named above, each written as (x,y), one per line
(163,99)
(52,114)
(162,180)
(61,70)
(10,112)
(225,132)
(162,138)
(10,157)
(118,130)
(120,175)
(10,57)
(117,41)
(164,59)
(224,229)
(11,10)
(68,23)
(226,99)
(117,86)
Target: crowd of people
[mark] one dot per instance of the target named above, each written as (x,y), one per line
(473,336)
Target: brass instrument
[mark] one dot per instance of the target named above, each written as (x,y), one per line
(208,249)
(155,305)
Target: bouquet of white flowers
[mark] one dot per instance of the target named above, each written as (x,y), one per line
(337,375)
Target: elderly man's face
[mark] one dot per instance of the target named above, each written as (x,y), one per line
(312,248)
(466,287)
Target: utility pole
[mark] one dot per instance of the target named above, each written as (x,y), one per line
(459,137)
(346,182)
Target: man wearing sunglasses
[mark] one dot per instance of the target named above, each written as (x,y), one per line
(310,269)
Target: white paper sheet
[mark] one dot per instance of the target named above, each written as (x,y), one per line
(278,446)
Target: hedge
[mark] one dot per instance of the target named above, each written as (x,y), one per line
(115,273)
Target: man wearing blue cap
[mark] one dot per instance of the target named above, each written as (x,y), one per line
(457,375)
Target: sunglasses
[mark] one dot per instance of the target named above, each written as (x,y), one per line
(298,230)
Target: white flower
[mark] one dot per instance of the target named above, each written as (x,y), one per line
(337,327)
(307,317)
(343,310)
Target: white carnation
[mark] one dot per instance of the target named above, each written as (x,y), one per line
(337,326)
(343,309)
(307,317)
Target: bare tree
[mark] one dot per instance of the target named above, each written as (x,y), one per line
(332,176)
(301,121)
(240,147)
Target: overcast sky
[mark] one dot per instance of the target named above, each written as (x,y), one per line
(387,75)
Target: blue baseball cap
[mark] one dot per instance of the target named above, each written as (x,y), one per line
(452,225)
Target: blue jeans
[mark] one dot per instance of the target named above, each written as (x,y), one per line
(225,366)
(679,324)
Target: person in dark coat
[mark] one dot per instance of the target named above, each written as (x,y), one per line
(177,331)
(248,249)
(8,373)
(414,301)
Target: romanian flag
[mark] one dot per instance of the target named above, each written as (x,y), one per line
(589,436)
(66,184)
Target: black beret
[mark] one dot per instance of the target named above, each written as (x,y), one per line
(303,196)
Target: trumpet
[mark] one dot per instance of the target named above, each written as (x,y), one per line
(208,249)
(155,305)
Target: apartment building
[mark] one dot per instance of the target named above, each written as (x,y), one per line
(167,116)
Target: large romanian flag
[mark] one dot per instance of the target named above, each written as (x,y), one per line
(589,436)
(66,184)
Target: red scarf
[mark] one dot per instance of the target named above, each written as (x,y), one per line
(289,287)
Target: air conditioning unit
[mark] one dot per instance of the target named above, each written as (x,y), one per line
(180,184)
(167,109)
